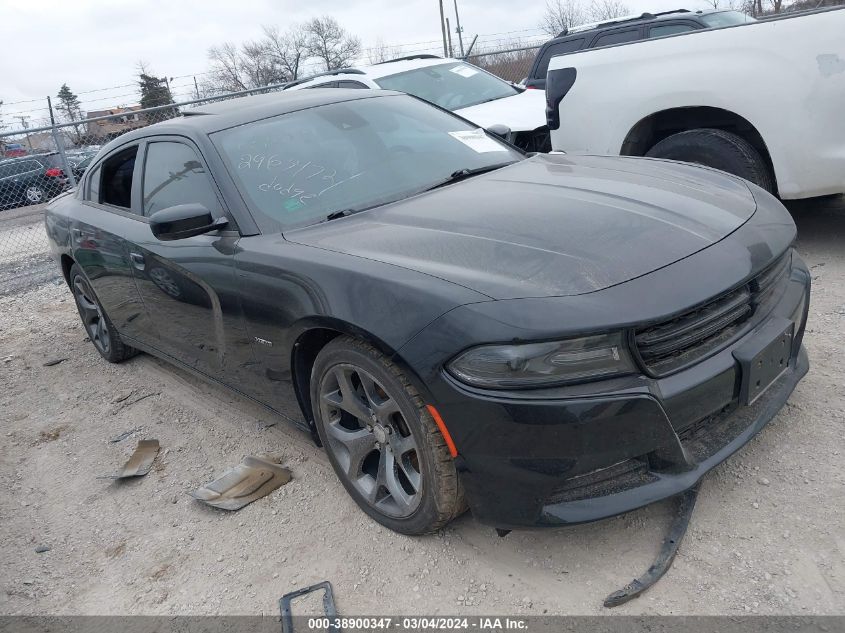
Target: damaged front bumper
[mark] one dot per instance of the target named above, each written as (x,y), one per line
(536,462)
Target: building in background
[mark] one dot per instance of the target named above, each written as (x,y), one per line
(102,131)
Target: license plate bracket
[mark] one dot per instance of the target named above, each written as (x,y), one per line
(764,358)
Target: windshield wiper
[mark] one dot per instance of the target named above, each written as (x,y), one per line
(336,215)
(461,174)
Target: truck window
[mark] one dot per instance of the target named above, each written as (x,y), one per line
(558,48)
(669,29)
(617,37)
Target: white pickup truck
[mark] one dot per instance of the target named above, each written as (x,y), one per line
(763,100)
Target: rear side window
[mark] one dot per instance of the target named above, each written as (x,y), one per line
(350,84)
(6,171)
(617,37)
(29,165)
(669,29)
(558,48)
(116,181)
(329,84)
(173,174)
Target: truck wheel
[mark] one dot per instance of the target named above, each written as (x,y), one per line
(381,440)
(717,149)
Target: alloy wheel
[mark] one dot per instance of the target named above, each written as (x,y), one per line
(372,442)
(34,195)
(92,315)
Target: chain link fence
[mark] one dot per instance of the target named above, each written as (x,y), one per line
(511,64)
(39,163)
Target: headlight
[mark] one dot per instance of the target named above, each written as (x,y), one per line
(542,364)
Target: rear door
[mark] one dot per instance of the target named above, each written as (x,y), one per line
(188,285)
(101,227)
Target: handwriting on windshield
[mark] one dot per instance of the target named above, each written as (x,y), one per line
(292,178)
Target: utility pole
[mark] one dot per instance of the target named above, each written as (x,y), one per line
(458,29)
(196,87)
(23,118)
(449,31)
(60,146)
(443,29)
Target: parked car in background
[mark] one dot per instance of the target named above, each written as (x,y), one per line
(31,179)
(627,29)
(80,160)
(545,339)
(762,100)
(14,150)
(455,85)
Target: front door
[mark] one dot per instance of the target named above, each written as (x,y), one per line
(188,286)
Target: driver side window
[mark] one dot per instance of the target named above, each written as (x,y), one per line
(174,174)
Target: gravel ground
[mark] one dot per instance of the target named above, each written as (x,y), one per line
(24,262)
(767,535)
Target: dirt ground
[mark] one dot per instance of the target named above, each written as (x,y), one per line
(767,535)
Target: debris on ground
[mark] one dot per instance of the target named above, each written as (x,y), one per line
(253,478)
(126,402)
(671,543)
(140,462)
(54,361)
(124,435)
(42,548)
(328,604)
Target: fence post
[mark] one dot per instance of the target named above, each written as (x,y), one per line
(68,168)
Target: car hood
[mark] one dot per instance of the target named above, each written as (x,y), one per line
(551,225)
(522,112)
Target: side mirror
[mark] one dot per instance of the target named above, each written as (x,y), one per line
(500,130)
(184,220)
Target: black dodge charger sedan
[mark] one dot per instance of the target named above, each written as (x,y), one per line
(545,339)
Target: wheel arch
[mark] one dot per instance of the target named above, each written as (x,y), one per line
(312,337)
(67,263)
(652,129)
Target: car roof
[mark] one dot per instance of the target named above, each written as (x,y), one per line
(634,20)
(377,71)
(220,115)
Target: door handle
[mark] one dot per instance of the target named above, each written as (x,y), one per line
(137,260)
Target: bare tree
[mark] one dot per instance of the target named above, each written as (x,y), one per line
(562,15)
(226,74)
(601,10)
(381,52)
(289,49)
(233,69)
(330,43)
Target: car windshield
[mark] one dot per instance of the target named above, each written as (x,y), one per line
(726,18)
(298,168)
(452,86)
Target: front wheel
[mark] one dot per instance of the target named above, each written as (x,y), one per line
(381,440)
(718,149)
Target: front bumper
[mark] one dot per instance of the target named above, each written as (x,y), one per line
(602,449)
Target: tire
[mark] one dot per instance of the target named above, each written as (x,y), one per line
(718,149)
(98,326)
(374,425)
(35,194)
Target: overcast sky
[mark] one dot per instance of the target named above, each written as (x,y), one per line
(96,44)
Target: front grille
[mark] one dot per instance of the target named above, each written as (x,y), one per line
(673,344)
